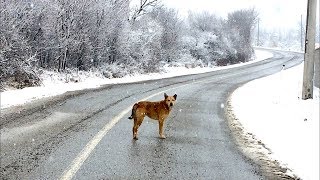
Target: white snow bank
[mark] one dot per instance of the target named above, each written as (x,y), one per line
(271,108)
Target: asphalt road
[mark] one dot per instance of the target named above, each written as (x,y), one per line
(86,134)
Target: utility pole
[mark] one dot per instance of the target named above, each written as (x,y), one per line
(301,33)
(308,72)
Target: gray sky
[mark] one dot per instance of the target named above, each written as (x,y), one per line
(280,14)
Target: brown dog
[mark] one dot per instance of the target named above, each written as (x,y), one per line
(154,110)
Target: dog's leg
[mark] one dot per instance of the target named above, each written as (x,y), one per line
(161,122)
(137,124)
(135,129)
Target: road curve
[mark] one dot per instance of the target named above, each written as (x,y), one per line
(86,134)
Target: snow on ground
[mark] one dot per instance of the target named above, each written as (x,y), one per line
(54,83)
(271,108)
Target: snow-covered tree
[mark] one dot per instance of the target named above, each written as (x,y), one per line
(171,32)
(60,35)
(20,34)
(240,25)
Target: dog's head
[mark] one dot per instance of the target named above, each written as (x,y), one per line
(170,100)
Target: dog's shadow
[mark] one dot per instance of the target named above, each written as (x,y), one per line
(155,145)
(147,145)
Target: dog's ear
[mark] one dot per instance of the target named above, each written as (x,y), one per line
(165,96)
(175,96)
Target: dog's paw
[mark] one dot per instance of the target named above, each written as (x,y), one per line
(135,138)
(162,137)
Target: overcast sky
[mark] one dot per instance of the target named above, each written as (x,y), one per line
(273,13)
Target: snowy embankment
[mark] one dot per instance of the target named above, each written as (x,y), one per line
(54,84)
(271,108)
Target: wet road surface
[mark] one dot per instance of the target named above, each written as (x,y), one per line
(86,134)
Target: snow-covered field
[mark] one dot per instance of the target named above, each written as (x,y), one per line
(271,108)
(287,125)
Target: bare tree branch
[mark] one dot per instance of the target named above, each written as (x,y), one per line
(144,4)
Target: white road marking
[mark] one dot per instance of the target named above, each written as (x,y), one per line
(84,154)
(87,150)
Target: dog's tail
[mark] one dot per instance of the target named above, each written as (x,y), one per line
(134,108)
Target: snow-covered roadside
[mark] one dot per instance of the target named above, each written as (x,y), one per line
(271,108)
(54,85)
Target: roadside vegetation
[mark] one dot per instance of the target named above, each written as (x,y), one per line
(114,39)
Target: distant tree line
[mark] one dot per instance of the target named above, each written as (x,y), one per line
(287,38)
(110,36)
